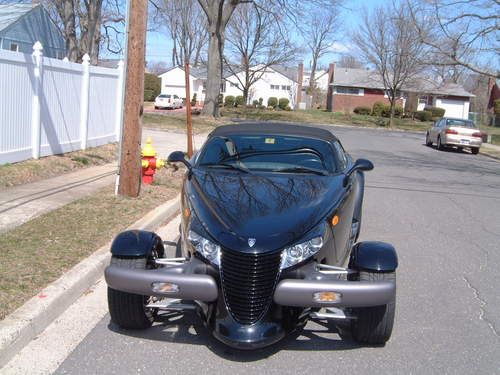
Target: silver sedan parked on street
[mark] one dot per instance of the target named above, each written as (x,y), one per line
(454,132)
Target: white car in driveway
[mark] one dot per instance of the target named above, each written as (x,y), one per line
(168,101)
(455,132)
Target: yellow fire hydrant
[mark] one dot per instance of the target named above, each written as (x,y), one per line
(150,163)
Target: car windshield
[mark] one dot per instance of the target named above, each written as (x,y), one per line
(458,122)
(272,153)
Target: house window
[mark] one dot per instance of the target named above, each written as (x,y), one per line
(422,100)
(275,87)
(285,88)
(234,84)
(14,47)
(349,91)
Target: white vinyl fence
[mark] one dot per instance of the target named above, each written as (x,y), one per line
(50,106)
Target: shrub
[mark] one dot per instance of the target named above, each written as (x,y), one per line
(261,101)
(496,107)
(423,115)
(220,100)
(377,109)
(362,110)
(283,103)
(229,101)
(398,111)
(193,101)
(239,100)
(255,102)
(270,107)
(149,95)
(288,108)
(435,111)
(152,87)
(272,102)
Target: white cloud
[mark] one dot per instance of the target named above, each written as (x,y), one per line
(339,47)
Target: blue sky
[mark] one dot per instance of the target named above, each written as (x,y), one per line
(159,46)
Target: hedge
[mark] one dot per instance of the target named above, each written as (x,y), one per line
(239,100)
(152,87)
(496,107)
(423,115)
(436,111)
(272,102)
(377,109)
(283,103)
(229,101)
(362,110)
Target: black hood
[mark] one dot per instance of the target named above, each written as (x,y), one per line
(275,209)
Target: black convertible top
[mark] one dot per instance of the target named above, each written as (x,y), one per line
(273,128)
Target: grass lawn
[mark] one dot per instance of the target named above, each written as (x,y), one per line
(41,250)
(315,116)
(55,165)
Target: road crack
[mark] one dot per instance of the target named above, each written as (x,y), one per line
(482,304)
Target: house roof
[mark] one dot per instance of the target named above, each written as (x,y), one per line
(364,78)
(290,73)
(199,72)
(10,13)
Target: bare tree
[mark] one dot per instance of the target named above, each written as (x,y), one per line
(187,28)
(349,61)
(321,27)
(388,41)
(461,34)
(255,42)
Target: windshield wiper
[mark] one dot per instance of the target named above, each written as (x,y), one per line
(301,170)
(226,165)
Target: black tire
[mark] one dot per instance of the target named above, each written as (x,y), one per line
(474,150)
(439,144)
(374,324)
(428,141)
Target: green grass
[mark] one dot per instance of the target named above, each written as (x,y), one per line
(34,170)
(41,250)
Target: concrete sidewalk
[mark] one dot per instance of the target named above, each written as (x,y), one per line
(21,203)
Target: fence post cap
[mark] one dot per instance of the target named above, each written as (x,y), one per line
(37,48)
(120,64)
(86,59)
(65,59)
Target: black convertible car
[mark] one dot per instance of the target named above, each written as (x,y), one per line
(270,218)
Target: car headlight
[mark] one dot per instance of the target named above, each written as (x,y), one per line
(297,253)
(205,247)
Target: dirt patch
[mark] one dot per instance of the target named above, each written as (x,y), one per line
(40,251)
(50,166)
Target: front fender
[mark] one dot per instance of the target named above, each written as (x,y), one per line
(373,256)
(136,243)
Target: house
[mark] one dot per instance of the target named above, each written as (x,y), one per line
(493,93)
(276,81)
(353,88)
(173,82)
(21,25)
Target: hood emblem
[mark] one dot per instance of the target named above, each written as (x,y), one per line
(251,242)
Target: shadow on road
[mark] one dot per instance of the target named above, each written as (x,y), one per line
(188,329)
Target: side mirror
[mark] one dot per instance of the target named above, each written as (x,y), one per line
(359,165)
(178,156)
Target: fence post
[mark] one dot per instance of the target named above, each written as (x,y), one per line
(35,108)
(119,101)
(84,102)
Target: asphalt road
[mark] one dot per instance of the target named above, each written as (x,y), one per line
(442,212)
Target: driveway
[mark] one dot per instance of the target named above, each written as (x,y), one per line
(440,210)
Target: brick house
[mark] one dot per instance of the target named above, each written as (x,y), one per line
(351,88)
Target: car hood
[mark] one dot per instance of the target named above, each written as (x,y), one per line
(274,209)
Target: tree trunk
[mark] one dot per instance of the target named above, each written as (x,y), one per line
(66,10)
(214,71)
(391,116)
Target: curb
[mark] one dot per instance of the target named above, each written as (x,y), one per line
(29,320)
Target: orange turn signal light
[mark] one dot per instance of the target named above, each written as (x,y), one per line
(165,287)
(326,296)
(187,212)
(335,220)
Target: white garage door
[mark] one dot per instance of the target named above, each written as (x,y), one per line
(454,108)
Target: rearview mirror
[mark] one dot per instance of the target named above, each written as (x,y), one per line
(359,165)
(178,156)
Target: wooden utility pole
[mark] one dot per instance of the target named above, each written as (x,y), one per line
(189,123)
(130,156)
(329,95)
(299,85)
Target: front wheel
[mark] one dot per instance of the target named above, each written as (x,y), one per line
(374,324)
(428,141)
(474,150)
(439,144)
